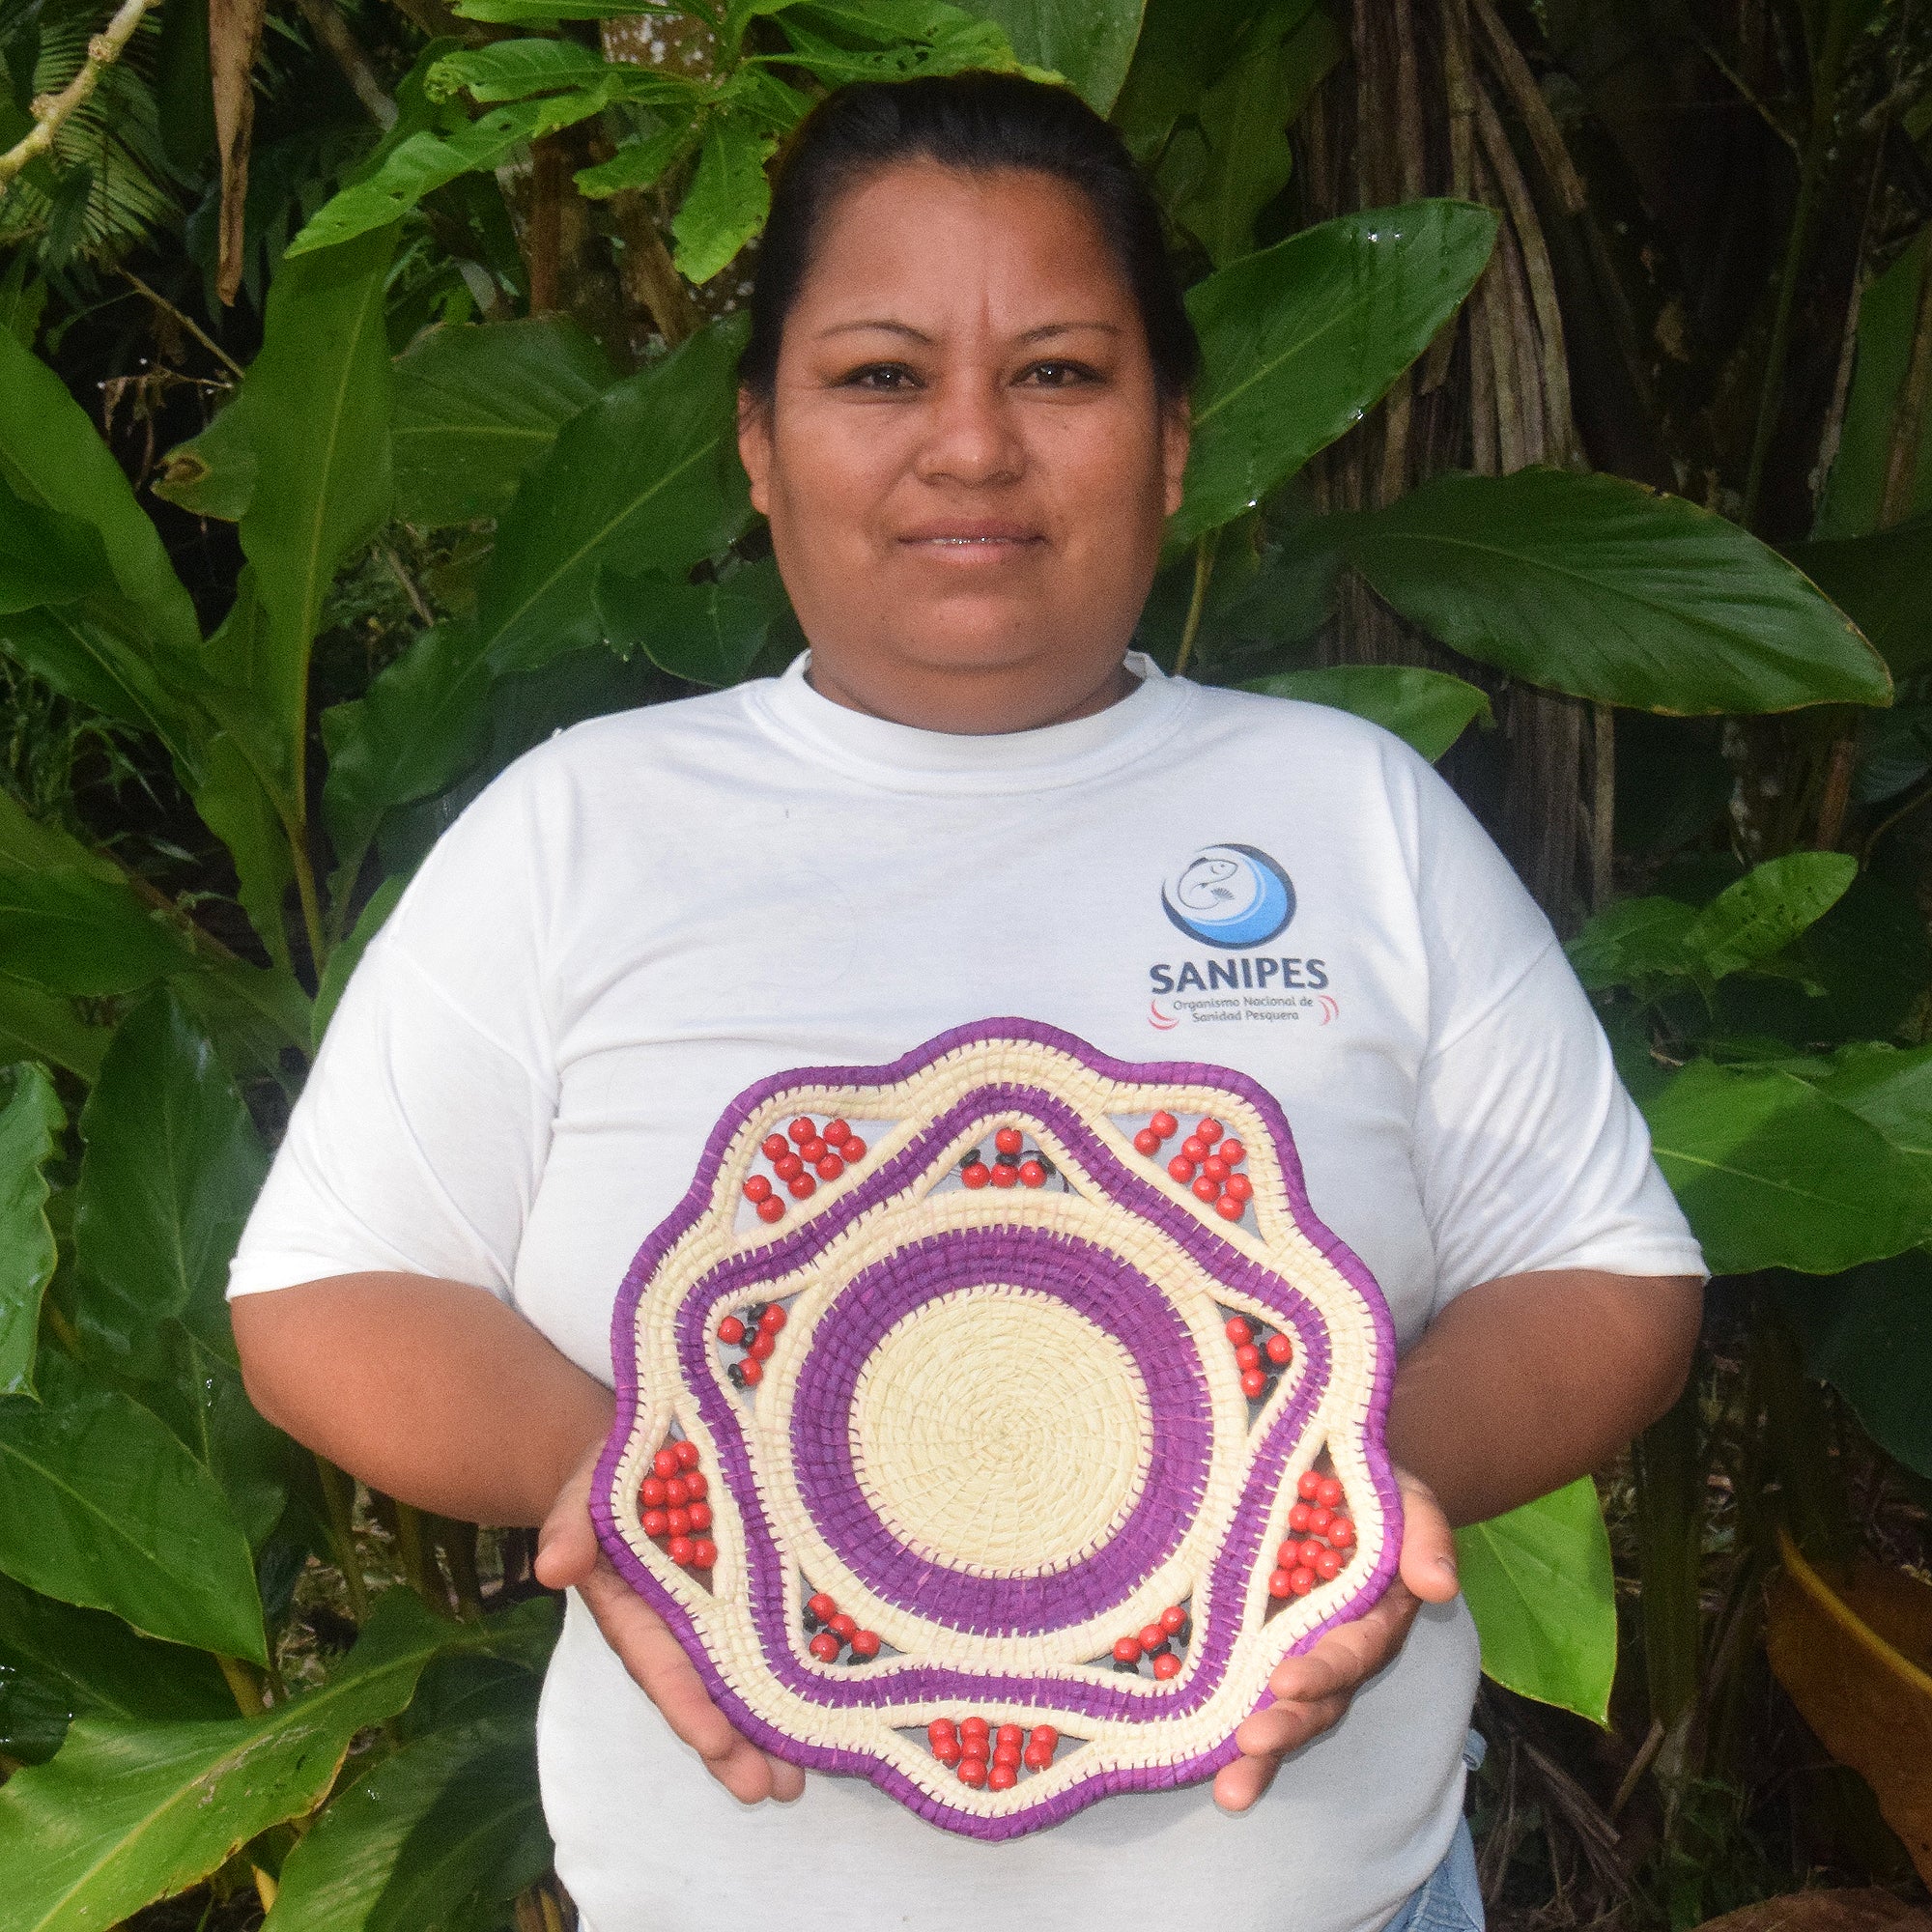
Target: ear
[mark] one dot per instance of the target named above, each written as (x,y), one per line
(754,448)
(1174,436)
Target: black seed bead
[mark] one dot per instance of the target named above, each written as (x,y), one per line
(970,1159)
(1126,1669)
(1186,1630)
(751,1319)
(737,1373)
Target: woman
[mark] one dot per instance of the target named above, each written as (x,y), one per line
(964,413)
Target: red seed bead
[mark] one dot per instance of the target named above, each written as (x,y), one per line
(1166,1666)
(703,1552)
(678,1519)
(1229,1207)
(940,1729)
(772,1209)
(1034,1758)
(1005,1176)
(1215,1169)
(657,1522)
(1247,1356)
(825,1647)
(1045,1737)
(1278,1349)
(803,1188)
(813,1149)
(1238,1331)
(1308,1485)
(1233,1153)
(1206,1190)
(1253,1382)
(1240,1187)
(679,1550)
(651,1492)
(1007,1734)
(821,1606)
(700,1514)
(732,1330)
(972,1772)
(751,1373)
(675,1493)
(1311,1553)
(1301,1582)
(696,1483)
(687,1453)
(1194,1148)
(836,1131)
(665,1463)
(853,1148)
(843,1625)
(1171,1618)
(829,1168)
(757,1188)
(1010,1139)
(1007,1755)
(864,1643)
(947,1752)
(1152,1637)
(973,1727)
(774,1317)
(1297,1516)
(1328,1564)
(789,1167)
(1341,1532)
(1032,1174)
(1321,1520)
(1128,1650)
(1280,1584)
(801,1131)
(1289,1555)
(975,1173)
(1147,1140)
(1002,1777)
(1182,1167)
(1330,1492)
(1210,1131)
(776,1146)
(761,1346)
(1165,1126)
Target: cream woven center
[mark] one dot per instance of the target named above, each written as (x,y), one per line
(1000,1432)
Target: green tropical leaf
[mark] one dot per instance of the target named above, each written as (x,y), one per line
(37,1025)
(640,163)
(437,1839)
(1883,584)
(476,405)
(541,12)
(1538,1583)
(1091,43)
(30,1118)
(213,474)
(1767,909)
(728,198)
(47,557)
(1774,1171)
(1606,590)
(1632,943)
(709,632)
(1299,340)
(129,1812)
(101,1505)
(509,70)
(1427,709)
(1889,1088)
(343,961)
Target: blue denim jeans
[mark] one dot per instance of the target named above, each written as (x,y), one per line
(1449,1899)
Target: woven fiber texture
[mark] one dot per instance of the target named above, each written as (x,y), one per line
(992,1423)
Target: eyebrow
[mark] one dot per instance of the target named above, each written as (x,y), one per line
(912,334)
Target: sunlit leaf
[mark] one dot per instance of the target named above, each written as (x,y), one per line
(1633,942)
(1427,709)
(30,1118)
(1767,909)
(729,197)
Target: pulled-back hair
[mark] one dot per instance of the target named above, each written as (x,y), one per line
(977,123)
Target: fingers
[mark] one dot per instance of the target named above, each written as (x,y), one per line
(1427,1543)
(567,1542)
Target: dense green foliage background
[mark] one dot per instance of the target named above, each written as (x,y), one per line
(365,412)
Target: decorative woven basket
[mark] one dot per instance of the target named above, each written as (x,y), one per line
(992,1424)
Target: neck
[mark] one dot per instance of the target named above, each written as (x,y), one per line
(968,704)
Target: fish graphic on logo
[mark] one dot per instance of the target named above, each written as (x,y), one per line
(1231,895)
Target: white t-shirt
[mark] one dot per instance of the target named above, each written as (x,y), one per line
(655,910)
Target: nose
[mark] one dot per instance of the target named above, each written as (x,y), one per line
(972,435)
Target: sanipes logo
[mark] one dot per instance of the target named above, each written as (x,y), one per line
(1230,895)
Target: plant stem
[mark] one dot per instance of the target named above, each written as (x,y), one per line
(1908,420)
(338,1495)
(418,1561)
(63,1330)
(1204,568)
(1669,1548)
(243,1684)
(188,322)
(50,110)
(458,1543)
(311,907)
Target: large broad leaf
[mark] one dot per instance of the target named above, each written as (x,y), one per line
(730,196)
(51,454)
(101,1505)
(213,474)
(1299,340)
(30,1118)
(1774,1172)
(1883,584)
(1767,909)
(1868,1333)
(71,920)
(131,1813)
(475,406)
(172,1166)
(1538,1584)
(1604,589)
(1089,41)
(37,1025)
(710,632)
(440,1835)
(1889,1088)
(1427,709)
(1633,943)
(47,557)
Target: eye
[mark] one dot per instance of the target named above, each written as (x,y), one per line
(881,378)
(1060,374)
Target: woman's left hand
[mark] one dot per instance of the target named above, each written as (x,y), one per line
(1314,1690)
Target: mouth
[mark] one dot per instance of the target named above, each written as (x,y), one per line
(974,536)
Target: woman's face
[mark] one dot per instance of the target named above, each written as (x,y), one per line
(966,464)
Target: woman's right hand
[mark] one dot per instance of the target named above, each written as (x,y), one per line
(570,1557)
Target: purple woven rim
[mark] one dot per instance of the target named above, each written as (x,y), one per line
(921,1684)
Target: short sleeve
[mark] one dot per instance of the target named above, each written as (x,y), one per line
(1528,1152)
(419,1141)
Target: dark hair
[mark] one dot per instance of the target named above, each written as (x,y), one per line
(976,122)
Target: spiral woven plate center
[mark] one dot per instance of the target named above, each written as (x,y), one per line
(992,1423)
